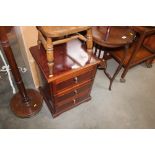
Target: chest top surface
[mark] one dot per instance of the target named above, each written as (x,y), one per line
(68,57)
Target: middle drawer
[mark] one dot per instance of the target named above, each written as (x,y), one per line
(77,91)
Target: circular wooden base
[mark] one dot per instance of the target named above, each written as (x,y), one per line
(28,109)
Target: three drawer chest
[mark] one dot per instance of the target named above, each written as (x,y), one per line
(73,75)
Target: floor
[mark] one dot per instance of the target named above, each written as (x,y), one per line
(128,105)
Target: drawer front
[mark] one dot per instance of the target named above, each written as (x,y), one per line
(73,93)
(74,102)
(73,81)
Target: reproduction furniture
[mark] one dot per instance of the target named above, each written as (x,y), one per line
(140,51)
(73,75)
(27,102)
(150,42)
(106,41)
(53,35)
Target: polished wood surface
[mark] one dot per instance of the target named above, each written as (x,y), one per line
(149,42)
(115,37)
(141,56)
(140,52)
(106,41)
(26,109)
(73,76)
(64,59)
(144,29)
(25,103)
(9,54)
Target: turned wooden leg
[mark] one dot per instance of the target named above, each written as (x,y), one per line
(89,41)
(98,50)
(95,49)
(39,42)
(50,57)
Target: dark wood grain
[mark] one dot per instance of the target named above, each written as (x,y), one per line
(49,36)
(73,76)
(65,58)
(140,52)
(109,39)
(27,102)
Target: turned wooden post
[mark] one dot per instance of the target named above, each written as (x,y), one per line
(25,103)
(89,41)
(8,52)
(50,58)
(39,41)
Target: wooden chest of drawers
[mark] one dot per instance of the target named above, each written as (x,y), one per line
(73,78)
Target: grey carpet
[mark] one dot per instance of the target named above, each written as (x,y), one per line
(128,105)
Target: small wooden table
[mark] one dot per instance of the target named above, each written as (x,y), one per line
(138,52)
(109,39)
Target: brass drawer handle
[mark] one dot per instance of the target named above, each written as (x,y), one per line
(75,91)
(76,80)
(74,101)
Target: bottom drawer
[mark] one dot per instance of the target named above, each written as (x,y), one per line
(86,87)
(72,103)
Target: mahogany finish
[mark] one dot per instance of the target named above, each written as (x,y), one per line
(26,102)
(139,52)
(27,108)
(107,40)
(73,76)
(150,43)
(114,38)
(49,36)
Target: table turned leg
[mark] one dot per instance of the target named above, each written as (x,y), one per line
(39,41)
(50,56)
(89,42)
(27,102)
(119,67)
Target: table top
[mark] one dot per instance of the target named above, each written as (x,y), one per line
(68,57)
(143,28)
(119,36)
(59,31)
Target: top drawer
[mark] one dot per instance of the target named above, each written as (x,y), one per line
(75,79)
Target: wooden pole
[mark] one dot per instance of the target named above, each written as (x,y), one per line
(26,102)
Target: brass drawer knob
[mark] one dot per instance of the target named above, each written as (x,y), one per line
(76,80)
(75,91)
(74,101)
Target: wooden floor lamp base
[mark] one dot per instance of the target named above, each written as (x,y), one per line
(32,107)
